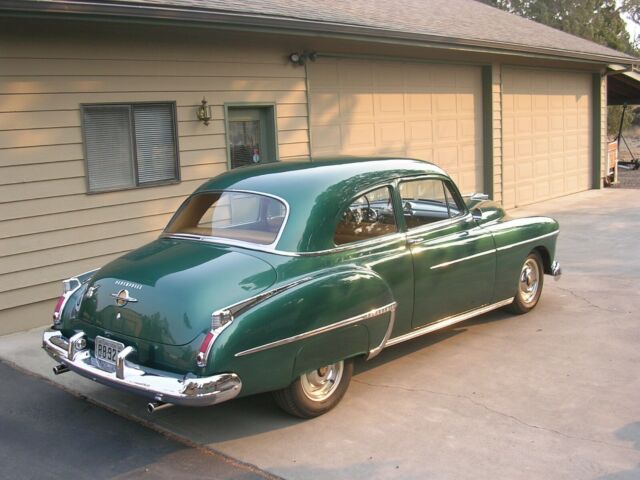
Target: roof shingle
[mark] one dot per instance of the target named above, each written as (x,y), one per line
(462,22)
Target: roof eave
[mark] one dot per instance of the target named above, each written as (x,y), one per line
(139,13)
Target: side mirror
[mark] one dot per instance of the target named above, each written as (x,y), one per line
(476,213)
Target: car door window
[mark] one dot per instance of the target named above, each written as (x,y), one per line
(368,216)
(426,201)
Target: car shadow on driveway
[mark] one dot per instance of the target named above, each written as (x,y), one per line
(257,414)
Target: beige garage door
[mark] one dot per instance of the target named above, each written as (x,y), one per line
(429,112)
(546,134)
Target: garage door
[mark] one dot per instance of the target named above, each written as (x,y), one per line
(429,112)
(546,134)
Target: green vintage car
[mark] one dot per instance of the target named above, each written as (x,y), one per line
(276,277)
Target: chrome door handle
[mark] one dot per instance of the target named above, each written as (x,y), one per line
(412,241)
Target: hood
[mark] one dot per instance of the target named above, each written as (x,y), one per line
(169,288)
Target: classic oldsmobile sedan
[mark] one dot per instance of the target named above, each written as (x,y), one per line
(276,277)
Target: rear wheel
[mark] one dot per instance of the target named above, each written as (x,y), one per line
(530,283)
(316,392)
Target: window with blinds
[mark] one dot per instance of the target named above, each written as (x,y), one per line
(129,146)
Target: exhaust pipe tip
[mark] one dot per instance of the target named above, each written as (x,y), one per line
(60,369)
(153,407)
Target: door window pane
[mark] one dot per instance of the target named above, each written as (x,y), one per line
(368,216)
(427,201)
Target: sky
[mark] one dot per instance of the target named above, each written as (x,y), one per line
(632,27)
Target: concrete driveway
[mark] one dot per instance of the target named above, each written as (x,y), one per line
(554,394)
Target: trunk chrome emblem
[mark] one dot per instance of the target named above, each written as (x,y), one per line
(122,298)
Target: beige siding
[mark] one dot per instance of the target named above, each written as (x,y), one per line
(496,98)
(50,228)
(603,126)
(427,111)
(546,134)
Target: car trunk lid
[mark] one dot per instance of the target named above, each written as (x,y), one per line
(166,291)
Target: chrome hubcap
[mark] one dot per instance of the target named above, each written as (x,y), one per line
(529,281)
(318,385)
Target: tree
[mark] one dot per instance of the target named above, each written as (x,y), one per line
(596,20)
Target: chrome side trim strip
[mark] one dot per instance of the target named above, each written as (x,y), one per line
(506,247)
(244,305)
(448,321)
(327,328)
(458,260)
(392,320)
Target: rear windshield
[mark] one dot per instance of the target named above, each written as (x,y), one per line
(246,217)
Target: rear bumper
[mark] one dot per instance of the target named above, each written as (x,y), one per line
(153,384)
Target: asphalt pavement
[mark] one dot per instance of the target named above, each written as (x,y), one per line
(47,433)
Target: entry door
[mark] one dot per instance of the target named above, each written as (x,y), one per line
(454,259)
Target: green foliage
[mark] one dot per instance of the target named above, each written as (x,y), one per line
(614,113)
(596,20)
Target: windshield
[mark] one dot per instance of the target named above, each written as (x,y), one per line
(246,217)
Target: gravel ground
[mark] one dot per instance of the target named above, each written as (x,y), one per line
(628,179)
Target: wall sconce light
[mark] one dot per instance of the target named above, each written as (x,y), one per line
(204,112)
(301,58)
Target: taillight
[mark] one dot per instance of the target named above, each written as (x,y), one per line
(205,347)
(57,311)
(219,319)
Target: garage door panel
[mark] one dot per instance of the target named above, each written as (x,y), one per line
(357,136)
(355,105)
(355,74)
(387,75)
(325,108)
(419,132)
(325,75)
(391,134)
(560,134)
(389,103)
(430,112)
(445,103)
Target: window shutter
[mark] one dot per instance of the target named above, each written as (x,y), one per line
(155,143)
(107,132)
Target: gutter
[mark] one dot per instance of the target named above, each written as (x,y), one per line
(163,15)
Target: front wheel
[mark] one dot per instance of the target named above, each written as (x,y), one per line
(316,392)
(530,283)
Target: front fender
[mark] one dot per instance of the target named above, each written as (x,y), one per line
(337,314)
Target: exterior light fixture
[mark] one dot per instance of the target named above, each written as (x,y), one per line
(301,58)
(204,112)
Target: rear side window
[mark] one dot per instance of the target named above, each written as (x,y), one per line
(246,217)
(426,201)
(368,216)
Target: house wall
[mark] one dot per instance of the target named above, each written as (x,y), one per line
(50,228)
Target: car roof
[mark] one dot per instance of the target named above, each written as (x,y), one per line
(316,191)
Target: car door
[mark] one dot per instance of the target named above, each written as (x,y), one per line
(454,260)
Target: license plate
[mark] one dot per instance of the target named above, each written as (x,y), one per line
(107,350)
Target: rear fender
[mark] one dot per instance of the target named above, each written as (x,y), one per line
(338,314)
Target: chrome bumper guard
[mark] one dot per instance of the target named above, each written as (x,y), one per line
(154,384)
(556,270)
